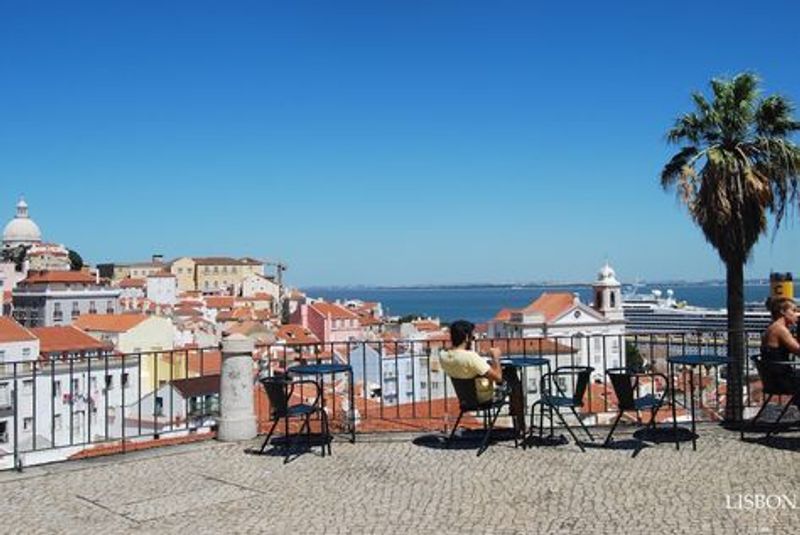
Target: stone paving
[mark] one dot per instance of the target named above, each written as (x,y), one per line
(387,483)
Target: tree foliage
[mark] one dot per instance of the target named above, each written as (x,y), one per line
(736,165)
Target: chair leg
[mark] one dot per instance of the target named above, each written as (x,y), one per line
(286,449)
(455,428)
(613,427)
(780,416)
(269,435)
(752,423)
(583,426)
(488,434)
(571,432)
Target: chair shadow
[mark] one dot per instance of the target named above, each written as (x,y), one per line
(665,435)
(778,442)
(298,445)
(465,439)
(546,441)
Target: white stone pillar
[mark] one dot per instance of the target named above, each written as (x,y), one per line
(237,419)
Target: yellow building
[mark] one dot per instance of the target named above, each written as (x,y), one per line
(184,270)
(215,274)
(147,340)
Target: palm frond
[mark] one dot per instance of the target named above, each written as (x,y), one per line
(774,117)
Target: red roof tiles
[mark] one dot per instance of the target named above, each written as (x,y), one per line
(11,331)
(66,339)
(115,323)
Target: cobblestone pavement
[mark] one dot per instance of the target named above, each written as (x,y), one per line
(390,484)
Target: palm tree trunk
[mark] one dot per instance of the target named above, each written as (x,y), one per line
(736,340)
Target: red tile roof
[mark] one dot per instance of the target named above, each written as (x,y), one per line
(66,339)
(38,277)
(132,283)
(296,334)
(551,305)
(11,331)
(113,323)
(333,310)
(220,301)
(197,386)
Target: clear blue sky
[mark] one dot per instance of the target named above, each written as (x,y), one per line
(376,142)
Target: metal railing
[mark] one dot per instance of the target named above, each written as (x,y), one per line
(64,407)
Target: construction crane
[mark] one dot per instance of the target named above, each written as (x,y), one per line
(280,267)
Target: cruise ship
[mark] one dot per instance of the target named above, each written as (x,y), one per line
(656,312)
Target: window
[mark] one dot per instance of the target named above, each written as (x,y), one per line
(224,269)
(3,432)
(92,308)
(159,407)
(109,307)
(57,389)
(125,380)
(613,299)
(57,421)
(75,309)
(109,382)
(75,387)
(216,270)
(27,386)
(26,352)
(5,397)
(27,424)
(2,353)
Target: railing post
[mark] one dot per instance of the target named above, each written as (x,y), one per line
(237,420)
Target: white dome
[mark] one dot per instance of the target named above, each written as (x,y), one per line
(21,230)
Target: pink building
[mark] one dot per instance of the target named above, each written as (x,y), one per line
(329,322)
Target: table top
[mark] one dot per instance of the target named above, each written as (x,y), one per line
(522,362)
(316,369)
(699,360)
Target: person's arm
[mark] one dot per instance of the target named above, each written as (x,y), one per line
(789,341)
(495,372)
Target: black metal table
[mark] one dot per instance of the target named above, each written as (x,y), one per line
(521,363)
(691,361)
(320,370)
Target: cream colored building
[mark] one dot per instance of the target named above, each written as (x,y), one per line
(146,340)
(183,269)
(215,274)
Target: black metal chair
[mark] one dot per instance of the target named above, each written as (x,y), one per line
(467,393)
(626,387)
(778,378)
(554,398)
(279,391)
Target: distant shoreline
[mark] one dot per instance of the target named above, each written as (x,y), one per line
(526,286)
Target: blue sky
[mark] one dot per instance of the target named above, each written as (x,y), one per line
(376,142)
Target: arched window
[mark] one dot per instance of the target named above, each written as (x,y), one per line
(613,299)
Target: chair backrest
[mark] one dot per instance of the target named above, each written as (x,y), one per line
(776,378)
(622,381)
(583,375)
(277,390)
(467,393)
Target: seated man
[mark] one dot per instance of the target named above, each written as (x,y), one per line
(461,362)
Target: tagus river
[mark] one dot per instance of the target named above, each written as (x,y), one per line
(479,303)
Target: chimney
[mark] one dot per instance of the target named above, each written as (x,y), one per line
(158,258)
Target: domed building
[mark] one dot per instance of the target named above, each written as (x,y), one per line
(21,230)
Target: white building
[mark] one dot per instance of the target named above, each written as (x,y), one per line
(596,333)
(22,230)
(162,288)
(68,393)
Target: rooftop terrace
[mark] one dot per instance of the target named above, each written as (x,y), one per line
(388,483)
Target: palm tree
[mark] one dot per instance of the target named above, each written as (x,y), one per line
(736,165)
